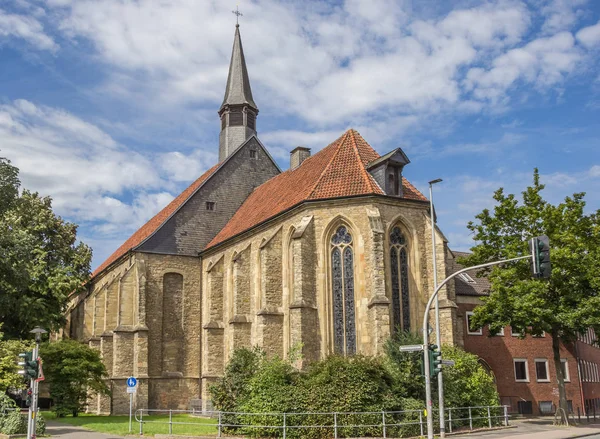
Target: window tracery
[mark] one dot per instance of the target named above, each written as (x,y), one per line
(342,275)
(399,275)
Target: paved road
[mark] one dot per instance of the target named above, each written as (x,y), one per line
(538,429)
(65,431)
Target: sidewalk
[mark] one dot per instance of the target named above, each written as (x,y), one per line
(537,429)
(66,431)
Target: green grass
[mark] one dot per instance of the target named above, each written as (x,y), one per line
(120,424)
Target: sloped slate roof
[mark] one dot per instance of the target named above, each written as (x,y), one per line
(155,222)
(481,286)
(338,170)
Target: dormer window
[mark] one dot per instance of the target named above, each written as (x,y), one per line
(387,171)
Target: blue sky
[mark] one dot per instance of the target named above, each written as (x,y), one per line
(110,106)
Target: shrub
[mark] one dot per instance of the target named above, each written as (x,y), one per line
(14,423)
(40,425)
(467,384)
(229,393)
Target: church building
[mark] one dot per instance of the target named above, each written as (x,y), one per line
(329,256)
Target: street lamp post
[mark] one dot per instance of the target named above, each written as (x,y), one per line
(32,422)
(437,310)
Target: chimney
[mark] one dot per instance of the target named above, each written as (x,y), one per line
(298,155)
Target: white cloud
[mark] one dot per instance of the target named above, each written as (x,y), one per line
(560,15)
(326,64)
(27,28)
(594,171)
(85,171)
(542,63)
(589,36)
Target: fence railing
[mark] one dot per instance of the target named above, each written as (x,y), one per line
(341,424)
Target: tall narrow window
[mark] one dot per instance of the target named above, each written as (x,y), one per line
(342,276)
(399,270)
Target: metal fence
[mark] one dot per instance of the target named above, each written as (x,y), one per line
(341,424)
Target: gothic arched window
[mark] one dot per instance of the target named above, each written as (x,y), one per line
(399,265)
(342,276)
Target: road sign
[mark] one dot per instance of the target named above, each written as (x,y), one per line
(131,389)
(411,348)
(131,382)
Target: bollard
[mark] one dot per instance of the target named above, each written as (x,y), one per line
(335,425)
(219,434)
(421,421)
(489,417)
(450,419)
(170,421)
(383,423)
(141,422)
(470,420)
(506,416)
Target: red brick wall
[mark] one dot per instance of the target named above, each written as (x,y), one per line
(499,351)
(589,367)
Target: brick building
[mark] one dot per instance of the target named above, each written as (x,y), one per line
(523,368)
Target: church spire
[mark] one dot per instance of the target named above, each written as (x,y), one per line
(238,111)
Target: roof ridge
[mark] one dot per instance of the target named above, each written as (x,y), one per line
(362,166)
(333,156)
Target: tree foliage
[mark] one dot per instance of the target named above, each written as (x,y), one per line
(565,305)
(41,262)
(72,371)
(9,357)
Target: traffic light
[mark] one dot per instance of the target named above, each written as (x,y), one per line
(30,366)
(29,398)
(540,252)
(435,360)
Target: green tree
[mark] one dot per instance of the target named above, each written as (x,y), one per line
(72,370)
(41,262)
(563,306)
(9,356)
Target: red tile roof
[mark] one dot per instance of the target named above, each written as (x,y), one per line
(338,170)
(155,222)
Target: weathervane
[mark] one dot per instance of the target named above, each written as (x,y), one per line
(237,15)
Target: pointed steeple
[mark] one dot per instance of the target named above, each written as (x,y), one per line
(238,111)
(238,91)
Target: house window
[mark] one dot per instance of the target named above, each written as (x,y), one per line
(342,277)
(541,370)
(465,277)
(399,271)
(501,332)
(210,205)
(253,154)
(521,373)
(565,369)
(471,328)
(546,408)
(514,332)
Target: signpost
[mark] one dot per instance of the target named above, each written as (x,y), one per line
(131,388)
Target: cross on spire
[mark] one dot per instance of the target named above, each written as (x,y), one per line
(237,14)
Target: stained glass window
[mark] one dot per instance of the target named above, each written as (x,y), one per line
(399,275)
(342,276)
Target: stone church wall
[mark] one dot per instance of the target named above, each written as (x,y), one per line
(192,227)
(284,267)
(143,316)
